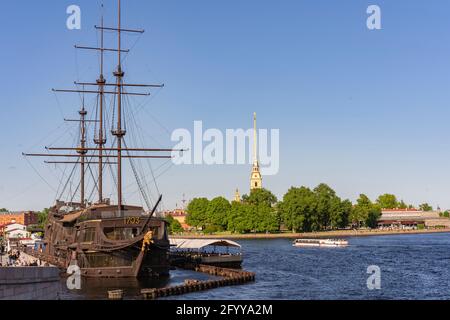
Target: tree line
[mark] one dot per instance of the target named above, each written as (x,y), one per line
(301,210)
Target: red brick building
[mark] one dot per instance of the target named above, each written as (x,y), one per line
(26,217)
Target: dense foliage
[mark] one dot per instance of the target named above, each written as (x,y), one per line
(256,213)
(365,213)
(301,210)
(197,214)
(425,207)
(388,201)
(42,218)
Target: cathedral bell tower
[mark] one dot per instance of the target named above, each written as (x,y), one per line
(237,196)
(255,179)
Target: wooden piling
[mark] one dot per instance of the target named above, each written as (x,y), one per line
(115,295)
(230,277)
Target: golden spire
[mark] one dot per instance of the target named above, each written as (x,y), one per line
(255,179)
(255,141)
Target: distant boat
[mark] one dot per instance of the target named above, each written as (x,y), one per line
(327,243)
(215,252)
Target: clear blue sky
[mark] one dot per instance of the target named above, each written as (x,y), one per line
(363,111)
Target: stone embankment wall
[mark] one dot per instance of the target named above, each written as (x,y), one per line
(29,283)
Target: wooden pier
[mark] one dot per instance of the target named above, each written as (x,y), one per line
(231,277)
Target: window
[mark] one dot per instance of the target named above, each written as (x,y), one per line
(87,235)
(120,233)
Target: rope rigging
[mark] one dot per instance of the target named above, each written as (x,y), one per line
(138,181)
(68,186)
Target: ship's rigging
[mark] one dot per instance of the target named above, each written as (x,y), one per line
(83,156)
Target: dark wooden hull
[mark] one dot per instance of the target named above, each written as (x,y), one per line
(105,245)
(150,264)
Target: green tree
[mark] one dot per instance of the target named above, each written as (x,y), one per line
(241,218)
(387,201)
(217,213)
(359,211)
(297,207)
(425,207)
(365,213)
(261,212)
(326,205)
(43,218)
(373,217)
(267,219)
(197,215)
(260,196)
(4,210)
(340,213)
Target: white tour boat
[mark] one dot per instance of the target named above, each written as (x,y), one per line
(329,243)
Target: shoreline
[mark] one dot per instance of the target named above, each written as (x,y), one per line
(314,235)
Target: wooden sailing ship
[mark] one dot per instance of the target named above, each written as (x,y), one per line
(105,239)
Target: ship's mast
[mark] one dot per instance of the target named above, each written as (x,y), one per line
(119,133)
(100,151)
(101,140)
(82,150)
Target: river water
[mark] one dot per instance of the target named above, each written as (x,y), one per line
(411,267)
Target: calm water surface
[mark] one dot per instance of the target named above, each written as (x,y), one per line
(412,267)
